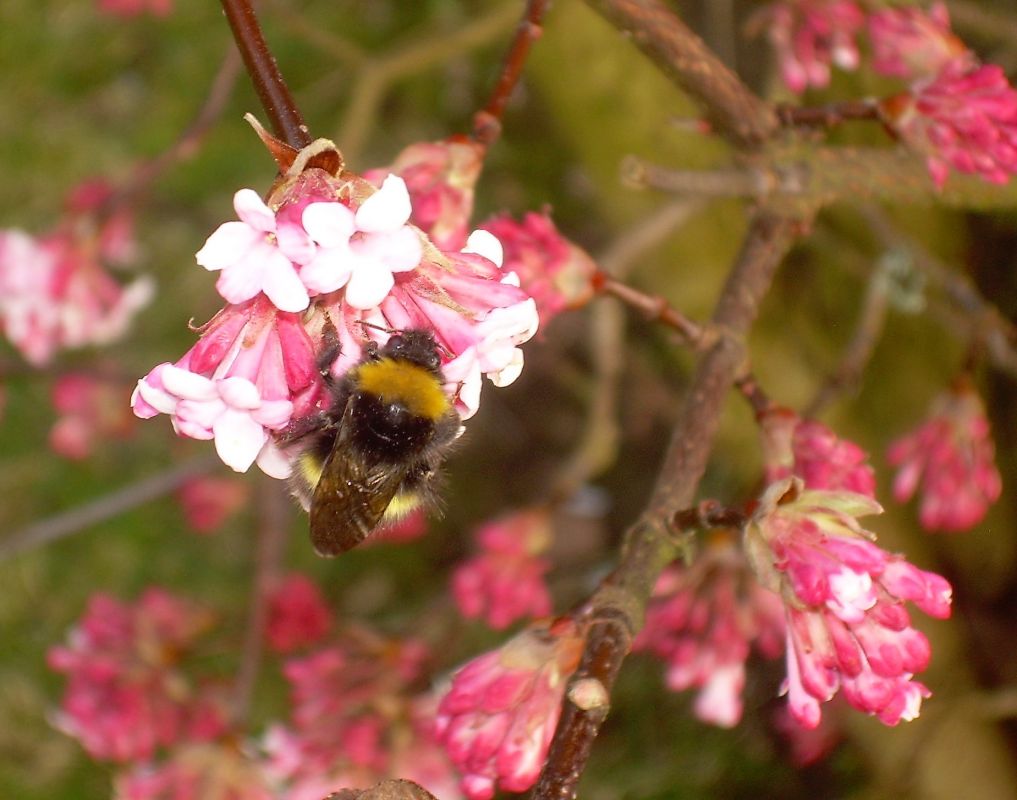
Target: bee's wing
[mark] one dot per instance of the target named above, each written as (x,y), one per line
(350,499)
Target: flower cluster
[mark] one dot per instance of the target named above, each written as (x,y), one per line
(297,614)
(847,628)
(55,290)
(209,500)
(810,36)
(702,621)
(499,716)
(196,770)
(331,253)
(505,581)
(125,696)
(91,411)
(910,43)
(813,452)
(951,455)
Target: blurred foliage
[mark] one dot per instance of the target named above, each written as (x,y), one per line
(84,95)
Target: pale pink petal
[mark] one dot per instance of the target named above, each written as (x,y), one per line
(282,285)
(227,245)
(486,244)
(329,224)
(367,288)
(387,209)
(238,439)
(253,211)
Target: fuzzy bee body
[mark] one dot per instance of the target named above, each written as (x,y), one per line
(376,453)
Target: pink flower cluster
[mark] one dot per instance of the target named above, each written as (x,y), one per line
(505,581)
(813,452)
(499,716)
(847,628)
(331,252)
(55,290)
(960,114)
(810,36)
(193,771)
(556,273)
(91,411)
(354,721)
(702,621)
(952,456)
(297,614)
(126,697)
(209,500)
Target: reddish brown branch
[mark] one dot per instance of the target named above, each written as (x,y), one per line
(286,119)
(732,109)
(828,116)
(487,122)
(656,309)
(616,609)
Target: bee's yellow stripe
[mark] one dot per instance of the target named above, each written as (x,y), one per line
(394,380)
(310,468)
(402,504)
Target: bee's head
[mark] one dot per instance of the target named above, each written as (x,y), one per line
(416,346)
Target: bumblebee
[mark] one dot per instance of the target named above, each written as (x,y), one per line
(375,454)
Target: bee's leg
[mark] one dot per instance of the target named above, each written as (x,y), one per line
(297,429)
(331,348)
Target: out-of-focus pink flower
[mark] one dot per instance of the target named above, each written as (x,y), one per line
(813,452)
(807,745)
(440,177)
(297,614)
(209,500)
(252,368)
(844,598)
(952,456)
(196,772)
(811,35)
(342,697)
(125,696)
(702,621)
(555,272)
(54,294)
(91,411)
(912,42)
(405,529)
(499,716)
(94,213)
(505,581)
(132,8)
(964,118)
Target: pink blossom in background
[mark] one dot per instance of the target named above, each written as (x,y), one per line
(95,213)
(807,745)
(910,42)
(847,628)
(440,177)
(132,8)
(243,379)
(505,581)
(55,294)
(497,720)
(125,696)
(807,448)
(297,614)
(965,118)
(405,529)
(951,458)
(91,411)
(810,36)
(702,621)
(209,500)
(196,772)
(556,273)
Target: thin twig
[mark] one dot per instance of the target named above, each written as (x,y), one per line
(287,121)
(733,110)
(112,505)
(828,116)
(615,611)
(657,309)
(273,528)
(487,122)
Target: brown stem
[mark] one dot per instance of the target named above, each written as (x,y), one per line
(286,119)
(616,610)
(274,522)
(828,116)
(112,505)
(487,122)
(732,109)
(655,308)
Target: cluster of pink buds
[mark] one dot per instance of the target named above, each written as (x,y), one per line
(56,291)
(125,696)
(810,450)
(91,411)
(209,770)
(702,621)
(297,614)
(847,628)
(505,581)
(952,456)
(810,36)
(328,250)
(209,500)
(497,719)
(959,113)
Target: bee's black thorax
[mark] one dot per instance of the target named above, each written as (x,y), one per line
(386,431)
